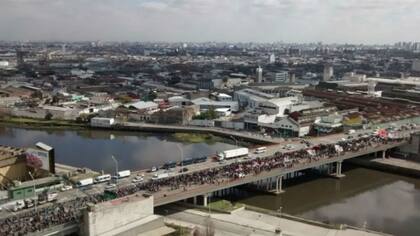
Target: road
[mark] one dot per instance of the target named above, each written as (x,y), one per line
(245,222)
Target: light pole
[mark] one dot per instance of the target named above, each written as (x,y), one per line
(116,168)
(279,212)
(33,180)
(182,156)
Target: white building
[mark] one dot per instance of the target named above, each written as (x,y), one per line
(249,98)
(272,58)
(328,72)
(205,103)
(277,106)
(259,74)
(102,122)
(142,105)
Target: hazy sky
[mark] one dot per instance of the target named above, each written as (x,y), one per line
(352,21)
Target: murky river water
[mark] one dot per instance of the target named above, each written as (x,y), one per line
(93,148)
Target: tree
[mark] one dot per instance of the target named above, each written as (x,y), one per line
(48,116)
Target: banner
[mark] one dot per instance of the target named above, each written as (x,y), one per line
(38,159)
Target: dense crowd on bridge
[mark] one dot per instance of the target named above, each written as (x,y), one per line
(70,211)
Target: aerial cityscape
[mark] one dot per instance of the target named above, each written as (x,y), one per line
(199,117)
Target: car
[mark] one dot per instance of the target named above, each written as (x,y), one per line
(154,169)
(185,169)
(137,179)
(110,186)
(66,188)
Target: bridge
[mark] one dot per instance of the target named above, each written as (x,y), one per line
(268,180)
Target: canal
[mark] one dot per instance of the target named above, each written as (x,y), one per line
(380,201)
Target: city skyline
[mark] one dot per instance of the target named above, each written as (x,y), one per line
(301,21)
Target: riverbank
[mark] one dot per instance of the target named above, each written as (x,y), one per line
(19,122)
(196,138)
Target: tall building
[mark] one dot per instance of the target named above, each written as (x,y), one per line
(328,72)
(281,76)
(416,65)
(272,58)
(259,75)
(19,58)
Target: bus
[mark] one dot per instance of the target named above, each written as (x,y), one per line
(187,161)
(260,150)
(102,178)
(169,165)
(200,159)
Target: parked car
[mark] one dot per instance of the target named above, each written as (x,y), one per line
(137,179)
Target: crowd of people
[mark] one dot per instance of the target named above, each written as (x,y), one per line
(71,211)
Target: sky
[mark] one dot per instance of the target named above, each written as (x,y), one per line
(294,21)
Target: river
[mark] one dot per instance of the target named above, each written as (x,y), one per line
(93,148)
(381,201)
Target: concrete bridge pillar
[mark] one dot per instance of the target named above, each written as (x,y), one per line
(383,154)
(279,185)
(338,173)
(205,198)
(195,200)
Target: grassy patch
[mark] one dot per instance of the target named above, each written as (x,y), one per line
(224,205)
(195,138)
(39,123)
(179,230)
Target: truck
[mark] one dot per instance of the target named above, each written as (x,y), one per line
(160,176)
(122,174)
(84,182)
(234,153)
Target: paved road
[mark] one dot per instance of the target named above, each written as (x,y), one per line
(245,222)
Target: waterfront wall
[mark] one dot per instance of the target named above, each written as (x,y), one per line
(122,216)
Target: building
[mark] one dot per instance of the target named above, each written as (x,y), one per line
(102,122)
(259,74)
(142,106)
(416,65)
(12,165)
(205,103)
(272,59)
(329,124)
(328,72)
(250,98)
(281,76)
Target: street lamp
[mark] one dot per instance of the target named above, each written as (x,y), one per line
(182,156)
(33,180)
(116,168)
(279,211)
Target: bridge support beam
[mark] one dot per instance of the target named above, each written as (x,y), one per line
(279,185)
(383,154)
(195,200)
(338,173)
(205,198)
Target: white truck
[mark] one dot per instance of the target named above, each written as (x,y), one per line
(84,182)
(160,176)
(234,153)
(122,174)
